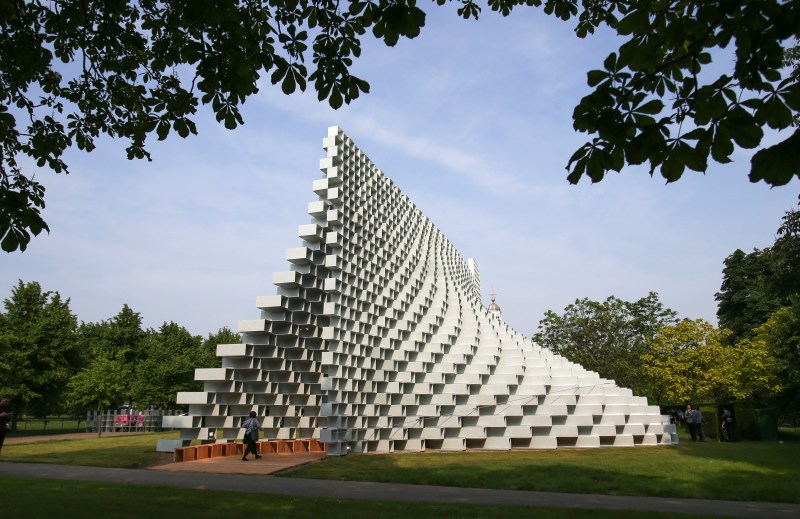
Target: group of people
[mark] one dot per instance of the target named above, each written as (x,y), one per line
(693,419)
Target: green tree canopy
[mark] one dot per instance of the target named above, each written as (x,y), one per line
(683,362)
(608,337)
(116,338)
(756,284)
(38,348)
(171,356)
(99,385)
(745,300)
(786,255)
(72,71)
(780,335)
(111,350)
(224,335)
(690,362)
(146,367)
(656,100)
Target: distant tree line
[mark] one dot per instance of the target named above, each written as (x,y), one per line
(753,354)
(52,364)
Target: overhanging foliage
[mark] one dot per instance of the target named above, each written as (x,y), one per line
(74,70)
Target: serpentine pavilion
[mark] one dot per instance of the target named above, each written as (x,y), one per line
(376,340)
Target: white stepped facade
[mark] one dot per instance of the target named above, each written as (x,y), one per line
(377,341)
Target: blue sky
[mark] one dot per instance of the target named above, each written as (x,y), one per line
(472,120)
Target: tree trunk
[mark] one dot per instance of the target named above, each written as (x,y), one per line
(99,422)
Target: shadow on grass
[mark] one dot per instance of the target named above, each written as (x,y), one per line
(68,499)
(732,471)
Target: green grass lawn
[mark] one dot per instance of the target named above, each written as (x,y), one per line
(138,450)
(750,471)
(23,498)
(753,471)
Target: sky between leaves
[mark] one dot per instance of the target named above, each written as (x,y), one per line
(472,120)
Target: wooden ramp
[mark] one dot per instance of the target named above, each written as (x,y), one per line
(265,448)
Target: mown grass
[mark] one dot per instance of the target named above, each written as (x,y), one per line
(133,451)
(752,471)
(27,498)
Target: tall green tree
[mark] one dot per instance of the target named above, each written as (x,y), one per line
(117,337)
(100,385)
(688,362)
(609,337)
(785,284)
(759,301)
(110,351)
(224,335)
(72,71)
(38,348)
(171,356)
(755,285)
(691,361)
(745,299)
(780,335)
(117,340)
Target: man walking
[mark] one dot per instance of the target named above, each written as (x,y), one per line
(251,427)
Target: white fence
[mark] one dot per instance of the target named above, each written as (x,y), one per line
(127,420)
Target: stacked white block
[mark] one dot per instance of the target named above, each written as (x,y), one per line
(377,340)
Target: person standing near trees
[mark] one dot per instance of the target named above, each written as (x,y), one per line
(251,427)
(6,413)
(689,418)
(727,425)
(697,421)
